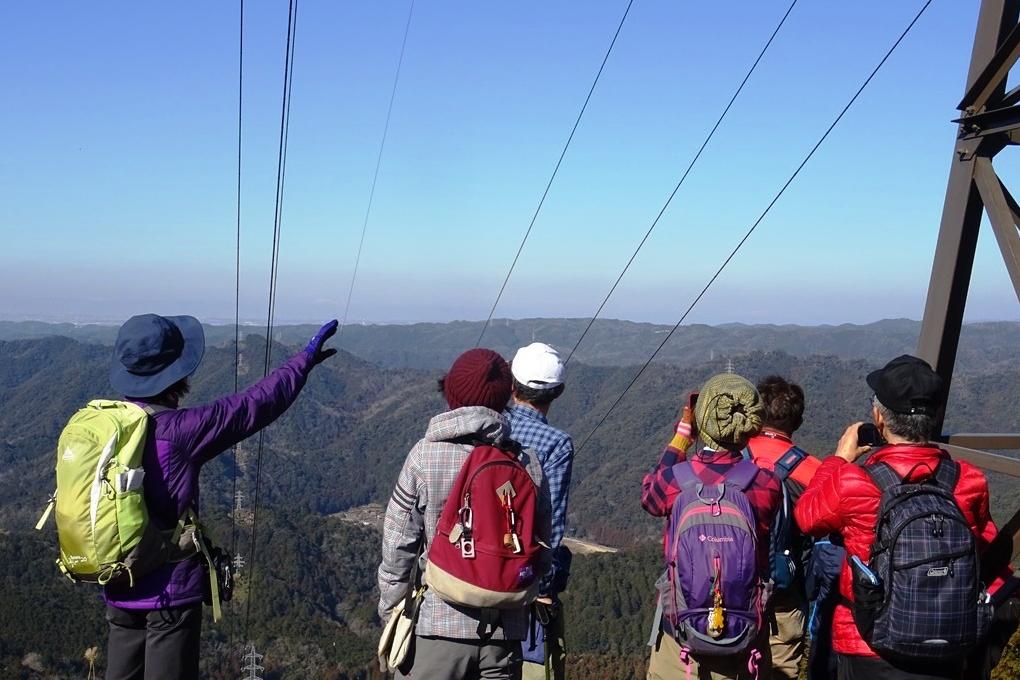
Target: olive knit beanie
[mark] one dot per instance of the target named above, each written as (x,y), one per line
(478,377)
(729,411)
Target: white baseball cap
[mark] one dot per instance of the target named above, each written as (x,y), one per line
(538,366)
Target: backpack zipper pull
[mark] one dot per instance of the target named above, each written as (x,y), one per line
(716,621)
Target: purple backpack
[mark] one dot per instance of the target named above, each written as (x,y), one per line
(716,597)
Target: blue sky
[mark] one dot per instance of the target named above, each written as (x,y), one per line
(118,159)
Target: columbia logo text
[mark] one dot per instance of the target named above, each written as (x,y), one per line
(716,539)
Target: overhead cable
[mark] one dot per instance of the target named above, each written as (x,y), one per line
(556,170)
(758,221)
(237,295)
(237,264)
(683,178)
(281,166)
(375,174)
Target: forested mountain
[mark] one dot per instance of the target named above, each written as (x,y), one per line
(342,444)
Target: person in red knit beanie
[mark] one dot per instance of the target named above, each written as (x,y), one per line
(454,641)
(478,377)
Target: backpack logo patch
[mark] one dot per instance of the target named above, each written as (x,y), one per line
(938,571)
(68,454)
(716,539)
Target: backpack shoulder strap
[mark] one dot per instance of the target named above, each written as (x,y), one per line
(883,476)
(742,474)
(683,474)
(947,474)
(789,461)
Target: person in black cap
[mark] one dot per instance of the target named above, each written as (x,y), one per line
(155,621)
(843,499)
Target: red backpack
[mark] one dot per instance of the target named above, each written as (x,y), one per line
(486,552)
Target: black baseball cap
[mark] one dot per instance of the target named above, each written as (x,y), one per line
(907,385)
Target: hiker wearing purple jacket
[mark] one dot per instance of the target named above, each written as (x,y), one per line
(156,623)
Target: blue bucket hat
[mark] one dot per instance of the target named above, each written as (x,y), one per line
(153,352)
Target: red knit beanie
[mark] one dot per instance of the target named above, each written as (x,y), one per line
(478,377)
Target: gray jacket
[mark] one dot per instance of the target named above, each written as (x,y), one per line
(424,482)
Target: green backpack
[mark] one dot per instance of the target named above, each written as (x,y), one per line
(102,520)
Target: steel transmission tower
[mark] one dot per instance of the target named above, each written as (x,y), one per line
(990,122)
(252,667)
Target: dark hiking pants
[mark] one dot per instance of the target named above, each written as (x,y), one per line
(436,658)
(153,644)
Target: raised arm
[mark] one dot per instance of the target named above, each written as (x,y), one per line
(657,489)
(820,509)
(213,428)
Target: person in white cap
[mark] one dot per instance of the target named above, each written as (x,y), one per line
(538,380)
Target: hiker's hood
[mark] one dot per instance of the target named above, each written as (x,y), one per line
(482,422)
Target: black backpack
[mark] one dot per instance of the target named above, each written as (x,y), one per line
(786,543)
(921,595)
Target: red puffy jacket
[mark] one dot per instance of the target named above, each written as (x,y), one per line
(842,499)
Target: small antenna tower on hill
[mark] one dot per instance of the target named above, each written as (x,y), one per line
(252,668)
(729,365)
(238,562)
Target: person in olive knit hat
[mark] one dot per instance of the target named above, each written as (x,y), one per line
(728,412)
(455,641)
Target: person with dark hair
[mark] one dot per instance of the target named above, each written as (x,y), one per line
(537,381)
(454,641)
(773,449)
(848,499)
(155,622)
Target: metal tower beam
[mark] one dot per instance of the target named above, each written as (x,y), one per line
(990,123)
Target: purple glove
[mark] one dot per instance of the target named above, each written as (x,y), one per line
(314,348)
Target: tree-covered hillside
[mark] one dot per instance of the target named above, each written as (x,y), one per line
(341,446)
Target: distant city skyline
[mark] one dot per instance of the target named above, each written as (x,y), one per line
(119,161)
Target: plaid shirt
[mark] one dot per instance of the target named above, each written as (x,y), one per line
(418,497)
(659,490)
(555,450)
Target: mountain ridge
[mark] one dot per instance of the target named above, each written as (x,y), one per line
(984,346)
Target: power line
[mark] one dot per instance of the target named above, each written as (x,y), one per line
(237,288)
(758,221)
(556,170)
(683,178)
(281,166)
(237,261)
(378,164)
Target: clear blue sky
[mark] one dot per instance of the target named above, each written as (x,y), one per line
(118,159)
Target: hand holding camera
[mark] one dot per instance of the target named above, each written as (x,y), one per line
(850,446)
